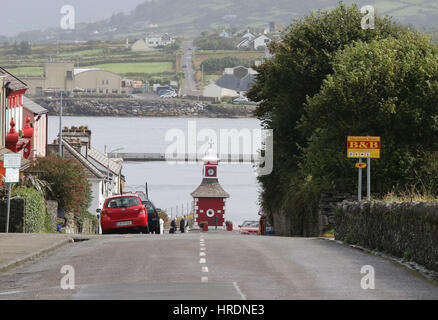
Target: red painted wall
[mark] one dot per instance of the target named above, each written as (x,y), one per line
(210,203)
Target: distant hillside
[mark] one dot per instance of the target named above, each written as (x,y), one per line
(190,17)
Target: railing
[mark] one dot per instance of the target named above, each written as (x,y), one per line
(150,157)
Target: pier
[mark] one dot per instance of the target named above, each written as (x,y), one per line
(152,157)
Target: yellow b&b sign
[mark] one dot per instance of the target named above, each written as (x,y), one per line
(363,147)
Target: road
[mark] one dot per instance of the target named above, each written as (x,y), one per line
(213,266)
(189,72)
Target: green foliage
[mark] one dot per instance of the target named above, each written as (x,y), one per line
(68,181)
(35,209)
(215,65)
(301,63)
(214,42)
(387,88)
(48,225)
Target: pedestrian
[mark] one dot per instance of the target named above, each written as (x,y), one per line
(187,224)
(172,226)
(182,224)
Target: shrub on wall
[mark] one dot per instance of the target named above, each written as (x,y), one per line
(35,209)
(68,182)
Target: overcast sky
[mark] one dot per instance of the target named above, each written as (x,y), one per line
(26,15)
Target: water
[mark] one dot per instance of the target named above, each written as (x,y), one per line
(170,185)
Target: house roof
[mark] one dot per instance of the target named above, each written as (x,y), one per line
(210,188)
(34,107)
(15,83)
(103,160)
(229,81)
(78,156)
(78,71)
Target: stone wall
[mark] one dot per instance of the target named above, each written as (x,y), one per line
(142,108)
(328,205)
(405,230)
(310,222)
(52,211)
(16,217)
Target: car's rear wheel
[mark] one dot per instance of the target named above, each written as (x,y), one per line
(145,230)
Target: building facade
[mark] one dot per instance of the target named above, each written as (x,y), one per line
(63,76)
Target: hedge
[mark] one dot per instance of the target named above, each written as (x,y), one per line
(35,209)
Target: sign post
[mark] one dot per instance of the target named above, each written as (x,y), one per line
(363,147)
(12,164)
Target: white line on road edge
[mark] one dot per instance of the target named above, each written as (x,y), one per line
(203,249)
(202,254)
(204,279)
(202,260)
(239,291)
(205,269)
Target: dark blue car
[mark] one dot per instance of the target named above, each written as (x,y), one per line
(153,217)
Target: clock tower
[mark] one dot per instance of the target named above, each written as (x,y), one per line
(209,198)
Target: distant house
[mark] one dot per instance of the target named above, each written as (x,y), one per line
(224,34)
(214,91)
(233,83)
(261,41)
(248,35)
(244,43)
(163,40)
(140,46)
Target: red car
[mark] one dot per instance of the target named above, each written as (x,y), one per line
(249,227)
(123,212)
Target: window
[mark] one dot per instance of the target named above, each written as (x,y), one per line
(69,74)
(124,202)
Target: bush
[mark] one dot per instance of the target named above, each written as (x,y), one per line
(35,221)
(69,183)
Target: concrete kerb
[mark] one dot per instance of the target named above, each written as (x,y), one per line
(35,255)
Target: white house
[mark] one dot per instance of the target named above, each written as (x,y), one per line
(261,41)
(214,91)
(224,34)
(163,40)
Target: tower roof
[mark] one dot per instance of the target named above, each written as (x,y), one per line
(210,188)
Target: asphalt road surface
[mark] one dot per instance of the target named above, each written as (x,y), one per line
(213,266)
(189,71)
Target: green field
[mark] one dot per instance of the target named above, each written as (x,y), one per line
(110,56)
(140,67)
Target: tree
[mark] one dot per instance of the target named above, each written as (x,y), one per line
(386,88)
(68,182)
(301,62)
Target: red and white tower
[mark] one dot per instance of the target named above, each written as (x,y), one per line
(209,198)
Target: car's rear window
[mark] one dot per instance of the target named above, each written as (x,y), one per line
(124,202)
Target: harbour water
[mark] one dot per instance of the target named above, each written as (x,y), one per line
(170,185)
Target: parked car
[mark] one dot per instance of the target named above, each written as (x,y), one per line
(153,217)
(241,100)
(123,212)
(249,227)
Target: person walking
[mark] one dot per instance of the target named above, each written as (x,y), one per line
(182,224)
(172,226)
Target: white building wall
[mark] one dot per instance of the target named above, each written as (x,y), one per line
(97,195)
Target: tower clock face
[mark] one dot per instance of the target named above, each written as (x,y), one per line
(211,172)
